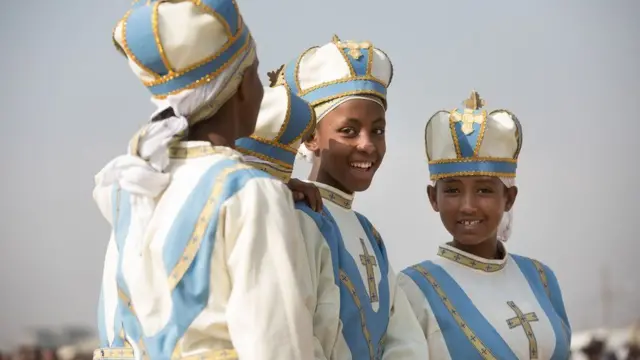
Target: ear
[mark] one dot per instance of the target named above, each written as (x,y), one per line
(243,89)
(432,193)
(311,142)
(511,194)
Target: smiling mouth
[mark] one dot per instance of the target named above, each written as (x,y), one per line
(469,223)
(362,165)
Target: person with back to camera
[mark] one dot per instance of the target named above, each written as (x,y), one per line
(205,259)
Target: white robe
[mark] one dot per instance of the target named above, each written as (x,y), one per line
(344,244)
(222,271)
(473,308)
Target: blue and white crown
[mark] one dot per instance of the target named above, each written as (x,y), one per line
(283,121)
(178,45)
(469,141)
(337,69)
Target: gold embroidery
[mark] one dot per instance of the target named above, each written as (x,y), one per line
(335,198)
(125,299)
(344,278)
(200,229)
(543,276)
(545,284)
(354,48)
(483,350)
(193,151)
(470,262)
(127,354)
(468,118)
(272,169)
(525,320)
(369,261)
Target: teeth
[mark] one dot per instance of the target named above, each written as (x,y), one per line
(470,222)
(362,165)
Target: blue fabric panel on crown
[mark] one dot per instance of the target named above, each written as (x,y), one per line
(227,10)
(290,76)
(140,3)
(299,119)
(266,149)
(190,77)
(359,65)
(330,91)
(486,166)
(141,41)
(467,143)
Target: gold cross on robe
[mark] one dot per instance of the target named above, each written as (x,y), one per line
(524,320)
(369,261)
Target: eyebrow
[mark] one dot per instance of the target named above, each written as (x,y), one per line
(376,121)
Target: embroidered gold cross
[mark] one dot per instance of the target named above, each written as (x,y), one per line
(468,118)
(369,261)
(524,320)
(355,48)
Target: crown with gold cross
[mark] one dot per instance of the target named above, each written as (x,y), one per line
(337,69)
(469,141)
(283,121)
(154,34)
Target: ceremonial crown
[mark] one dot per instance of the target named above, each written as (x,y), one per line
(469,141)
(178,45)
(283,121)
(337,69)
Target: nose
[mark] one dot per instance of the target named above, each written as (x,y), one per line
(365,144)
(468,205)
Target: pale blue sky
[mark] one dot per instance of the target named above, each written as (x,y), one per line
(568,69)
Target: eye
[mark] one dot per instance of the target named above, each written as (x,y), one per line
(485,191)
(379,131)
(451,190)
(348,131)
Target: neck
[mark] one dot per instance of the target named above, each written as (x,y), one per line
(487,249)
(318,175)
(220,130)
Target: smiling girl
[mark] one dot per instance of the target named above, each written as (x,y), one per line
(360,313)
(476,300)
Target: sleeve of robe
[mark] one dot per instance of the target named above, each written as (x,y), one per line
(267,311)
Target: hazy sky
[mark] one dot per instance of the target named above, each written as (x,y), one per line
(568,69)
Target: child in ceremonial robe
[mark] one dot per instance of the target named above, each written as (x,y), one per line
(205,260)
(476,300)
(284,120)
(360,312)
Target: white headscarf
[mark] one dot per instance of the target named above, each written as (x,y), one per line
(325,108)
(141,171)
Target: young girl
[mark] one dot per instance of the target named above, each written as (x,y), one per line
(476,300)
(360,313)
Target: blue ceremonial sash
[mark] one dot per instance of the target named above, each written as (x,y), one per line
(187,257)
(466,331)
(547,293)
(364,329)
